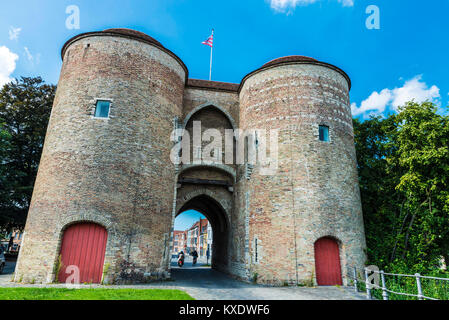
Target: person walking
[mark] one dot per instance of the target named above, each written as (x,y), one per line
(195,257)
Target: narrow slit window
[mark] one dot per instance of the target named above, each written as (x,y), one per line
(102,109)
(324,133)
(256,258)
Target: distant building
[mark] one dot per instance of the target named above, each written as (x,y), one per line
(209,241)
(205,238)
(179,241)
(199,237)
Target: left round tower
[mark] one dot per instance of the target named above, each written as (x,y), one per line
(98,202)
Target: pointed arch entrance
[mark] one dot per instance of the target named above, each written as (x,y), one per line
(205,203)
(213,106)
(207,187)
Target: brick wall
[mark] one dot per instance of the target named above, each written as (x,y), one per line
(108,170)
(315,192)
(117,171)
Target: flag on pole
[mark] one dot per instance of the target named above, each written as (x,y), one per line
(210,41)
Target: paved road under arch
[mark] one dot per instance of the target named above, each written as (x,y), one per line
(206,284)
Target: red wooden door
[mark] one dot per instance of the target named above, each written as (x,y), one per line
(327,262)
(84,246)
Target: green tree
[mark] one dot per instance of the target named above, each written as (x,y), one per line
(403,170)
(5,146)
(25,107)
(423,154)
(380,201)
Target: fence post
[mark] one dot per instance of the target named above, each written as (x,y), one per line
(384,287)
(355,279)
(418,283)
(368,285)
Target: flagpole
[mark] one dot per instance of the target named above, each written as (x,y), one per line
(211,54)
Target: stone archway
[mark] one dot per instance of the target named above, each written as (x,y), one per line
(215,209)
(208,187)
(209,105)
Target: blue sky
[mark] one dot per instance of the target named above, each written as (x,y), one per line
(406,58)
(186,219)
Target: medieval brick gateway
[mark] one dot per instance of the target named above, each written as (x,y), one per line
(106,166)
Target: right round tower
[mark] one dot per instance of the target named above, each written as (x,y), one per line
(305,219)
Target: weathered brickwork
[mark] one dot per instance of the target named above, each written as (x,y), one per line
(117,171)
(108,169)
(315,192)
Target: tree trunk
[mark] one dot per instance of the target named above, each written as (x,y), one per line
(407,236)
(393,254)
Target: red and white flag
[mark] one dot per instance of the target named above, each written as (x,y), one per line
(210,41)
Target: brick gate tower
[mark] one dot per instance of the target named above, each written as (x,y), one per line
(107,192)
(315,193)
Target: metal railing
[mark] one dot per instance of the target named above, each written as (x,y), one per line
(377,280)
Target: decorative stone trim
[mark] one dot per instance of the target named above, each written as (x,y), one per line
(133,36)
(323,234)
(221,167)
(205,105)
(83,217)
(199,192)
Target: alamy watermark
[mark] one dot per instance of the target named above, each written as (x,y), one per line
(373,279)
(73,280)
(73,20)
(240,147)
(373,20)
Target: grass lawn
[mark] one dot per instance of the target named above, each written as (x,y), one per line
(91,294)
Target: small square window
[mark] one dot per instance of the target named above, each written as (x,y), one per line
(324,133)
(102,109)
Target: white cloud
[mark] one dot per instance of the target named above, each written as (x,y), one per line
(7,64)
(347,3)
(28,53)
(284,5)
(33,59)
(376,101)
(413,89)
(14,33)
